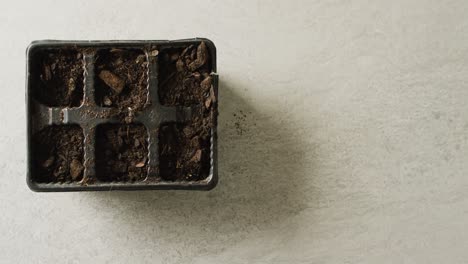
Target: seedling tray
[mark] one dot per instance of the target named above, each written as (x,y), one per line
(121,115)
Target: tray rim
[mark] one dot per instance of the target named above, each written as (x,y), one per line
(204,185)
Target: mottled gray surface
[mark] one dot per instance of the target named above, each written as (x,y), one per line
(353,148)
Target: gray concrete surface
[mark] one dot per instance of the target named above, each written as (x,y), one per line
(353,148)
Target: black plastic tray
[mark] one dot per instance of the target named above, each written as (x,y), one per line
(88,115)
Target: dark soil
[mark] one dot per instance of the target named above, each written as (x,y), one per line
(58,154)
(60,74)
(184,76)
(121,152)
(122,79)
(184,149)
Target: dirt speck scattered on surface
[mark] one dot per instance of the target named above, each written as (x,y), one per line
(121,152)
(60,74)
(122,79)
(240,119)
(58,154)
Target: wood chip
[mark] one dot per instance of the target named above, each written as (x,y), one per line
(212,94)
(193,54)
(47,73)
(197,75)
(71,85)
(206,83)
(185,50)
(195,142)
(48,162)
(107,101)
(188,131)
(140,58)
(202,57)
(180,66)
(208,102)
(174,57)
(128,119)
(75,169)
(118,62)
(197,156)
(112,80)
(211,98)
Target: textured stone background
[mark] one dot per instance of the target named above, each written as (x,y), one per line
(353,148)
